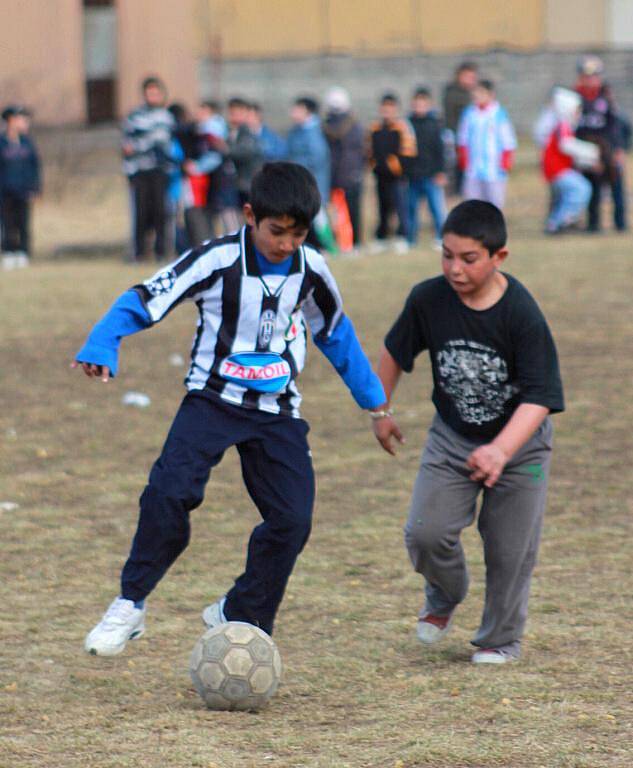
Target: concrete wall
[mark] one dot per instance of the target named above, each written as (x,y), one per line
(523,79)
(156,39)
(41,59)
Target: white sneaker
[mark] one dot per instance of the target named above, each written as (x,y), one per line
(431,629)
(120,623)
(400,245)
(21,260)
(9,262)
(213,615)
(437,245)
(492,656)
(377,246)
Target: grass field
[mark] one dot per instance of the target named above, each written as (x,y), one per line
(358,689)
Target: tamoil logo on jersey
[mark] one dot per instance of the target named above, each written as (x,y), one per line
(259,371)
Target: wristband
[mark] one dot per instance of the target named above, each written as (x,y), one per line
(375,415)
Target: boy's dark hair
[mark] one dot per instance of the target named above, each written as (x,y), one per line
(422,92)
(312,105)
(479,220)
(285,189)
(389,98)
(238,101)
(467,66)
(487,85)
(256,107)
(152,81)
(214,106)
(178,111)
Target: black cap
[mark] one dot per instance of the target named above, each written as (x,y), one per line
(13,110)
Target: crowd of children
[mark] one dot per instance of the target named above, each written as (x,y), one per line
(465,149)
(190,173)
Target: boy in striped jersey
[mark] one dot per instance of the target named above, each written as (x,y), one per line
(255,291)
(486,144)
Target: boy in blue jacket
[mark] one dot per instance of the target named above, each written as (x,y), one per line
(19,182)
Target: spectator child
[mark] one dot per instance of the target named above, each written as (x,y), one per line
(570,190)
(346,140)
(425,171)
(272,145)
(391,144)
(486,143)
(599,124)
(19,182)
(458,95)
(306,145)
(211,176)
(146,146)
(243,147)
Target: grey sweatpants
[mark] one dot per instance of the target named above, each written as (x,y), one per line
(444,502)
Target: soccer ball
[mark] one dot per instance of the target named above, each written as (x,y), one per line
(235,666)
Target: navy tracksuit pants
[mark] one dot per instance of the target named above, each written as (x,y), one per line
(277,471)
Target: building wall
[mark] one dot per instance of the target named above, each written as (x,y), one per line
(41,59)
(278,28)
(619,22)
(571,23)
(156,37)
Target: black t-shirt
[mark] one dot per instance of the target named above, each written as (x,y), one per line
(485,362)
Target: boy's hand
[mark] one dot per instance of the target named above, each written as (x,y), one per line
(487,463)
(384,429)
(93,371)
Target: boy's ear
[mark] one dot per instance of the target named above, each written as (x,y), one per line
(501,255)
(249,216)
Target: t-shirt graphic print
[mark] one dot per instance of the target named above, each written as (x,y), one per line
(475,377)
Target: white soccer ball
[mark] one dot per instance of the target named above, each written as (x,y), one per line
(235,666)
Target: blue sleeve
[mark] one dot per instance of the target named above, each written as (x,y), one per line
(344,351)
(209,162)
(126,316)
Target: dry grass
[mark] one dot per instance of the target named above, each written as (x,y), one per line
(358,689)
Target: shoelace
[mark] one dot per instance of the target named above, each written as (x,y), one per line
(118,613)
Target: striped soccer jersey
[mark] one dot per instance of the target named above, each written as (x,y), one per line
(250,343)
(486,134)
(148,131)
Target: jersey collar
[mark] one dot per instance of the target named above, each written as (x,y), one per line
(249,259)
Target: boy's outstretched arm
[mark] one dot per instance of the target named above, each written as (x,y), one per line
(488,461)
(142,306)
(385,428)
(98,357)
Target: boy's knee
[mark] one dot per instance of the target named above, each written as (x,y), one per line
(424,537)
(166,516)
(294,527)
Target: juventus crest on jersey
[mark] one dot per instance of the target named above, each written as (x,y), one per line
(250,344)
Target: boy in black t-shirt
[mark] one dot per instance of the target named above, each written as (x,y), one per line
(496,380)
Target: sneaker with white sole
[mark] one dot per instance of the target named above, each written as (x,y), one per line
(493,656)
(122,621)
(213,615)
(432,628)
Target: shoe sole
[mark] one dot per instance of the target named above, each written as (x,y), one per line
(119,648)
(493,658)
